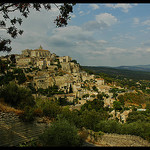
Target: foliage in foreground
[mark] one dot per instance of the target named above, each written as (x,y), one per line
(16,96)
(60,133)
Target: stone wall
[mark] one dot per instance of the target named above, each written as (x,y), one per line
(115,139)
(14,132)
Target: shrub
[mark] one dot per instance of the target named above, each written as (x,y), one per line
(108,126)
(137,128)
(17,96)
(71,116)
(50,109)
(117,105)
(28,115)
(90,118)
(60,133)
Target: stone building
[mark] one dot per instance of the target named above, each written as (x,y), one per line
(64,59)
(43,81)
(36,53)
(85,76)
(42,64)
(70,97)
(100,81)
(24,61)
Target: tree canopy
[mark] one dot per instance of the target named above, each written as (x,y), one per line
(6,10)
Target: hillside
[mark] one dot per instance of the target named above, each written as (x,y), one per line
(139,75)
(135,68)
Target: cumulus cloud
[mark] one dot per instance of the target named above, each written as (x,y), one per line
(106,18)
(101,22)
(94,6)
(136,20)
(146,22)
(124,7)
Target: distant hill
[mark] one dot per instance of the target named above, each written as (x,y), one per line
(135,68)
(121,71)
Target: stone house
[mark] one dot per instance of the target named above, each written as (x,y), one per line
(48,61)
(100,81)
(51,68)
(74,67)
(61,80)
(85,76)
(124,115)
(43,81)
(24,61)
(70,97)
(66,86)
(64,59)
(41,63)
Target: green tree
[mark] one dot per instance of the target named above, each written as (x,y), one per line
(28,115)
(74,116)
(62,101)
(21,78)
(108,126)
(17,96)
(121,99)
(95,104)
(117,105)
(95,88)
(50,109)
(60,133)
(100,97)
(89,119)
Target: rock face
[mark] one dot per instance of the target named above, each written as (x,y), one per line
(14,132)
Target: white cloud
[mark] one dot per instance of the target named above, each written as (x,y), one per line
(124,7)
(80,12)
(94,6)
(73,15)
(106,18)
(136,20)
(101,22)
(146,22)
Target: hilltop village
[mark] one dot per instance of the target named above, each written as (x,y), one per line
(40,89)
(44,69)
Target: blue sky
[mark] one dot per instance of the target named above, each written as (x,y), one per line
(98,34)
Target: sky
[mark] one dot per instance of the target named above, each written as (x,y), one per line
(98,34)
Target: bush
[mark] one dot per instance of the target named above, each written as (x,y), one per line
(138,115)
(28,115)
(108,126)
(72,116)
(17,96)
(95,104)
(90,118)
(117,105)
(137,128)
(60,133)
(50,109)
